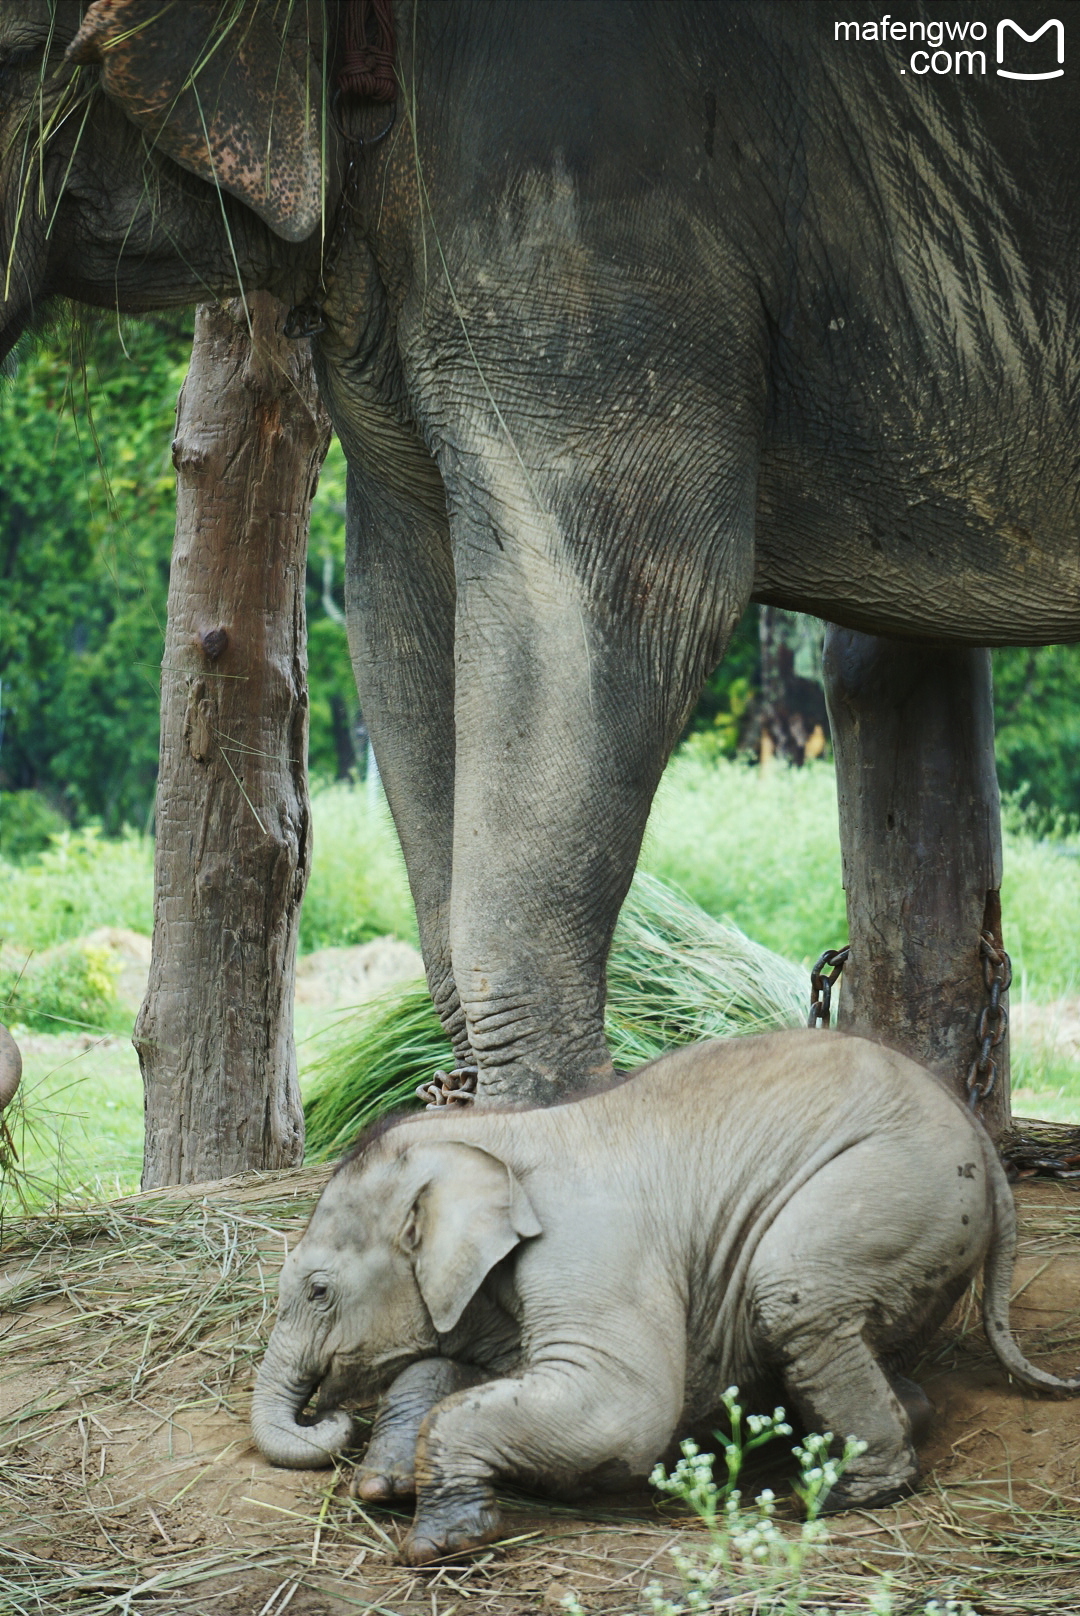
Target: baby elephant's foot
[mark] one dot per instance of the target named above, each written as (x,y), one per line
(388,1466)
(868,1492)
(450,1520)
(378,1483)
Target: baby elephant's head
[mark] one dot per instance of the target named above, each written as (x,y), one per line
(397,1247)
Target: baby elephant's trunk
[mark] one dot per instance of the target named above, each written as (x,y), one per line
(278,1400)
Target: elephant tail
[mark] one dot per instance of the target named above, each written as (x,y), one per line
(997,1284)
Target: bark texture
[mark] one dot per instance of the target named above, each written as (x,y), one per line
(920,826)
(214,1034)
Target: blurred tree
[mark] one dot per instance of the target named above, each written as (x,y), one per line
(731,687)
(84,562)
(336,746)
(87,504)
(1037,714)
(766,698)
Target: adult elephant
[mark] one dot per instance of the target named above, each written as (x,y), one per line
(639,312)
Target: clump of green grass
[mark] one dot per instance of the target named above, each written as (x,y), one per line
(675,976)
(70,986)
(371,1061)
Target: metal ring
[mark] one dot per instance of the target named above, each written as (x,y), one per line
(359,141)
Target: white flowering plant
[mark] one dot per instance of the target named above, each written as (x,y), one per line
(749,1555)
(748,1545)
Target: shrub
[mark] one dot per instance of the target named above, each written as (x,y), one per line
(70,987)
(27,822)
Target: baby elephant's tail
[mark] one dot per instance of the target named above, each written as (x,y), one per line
(997,1283)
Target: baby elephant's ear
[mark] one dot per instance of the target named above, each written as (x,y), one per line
(220,91)
(469,1214)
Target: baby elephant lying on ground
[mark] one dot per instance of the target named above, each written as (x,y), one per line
(553,1295)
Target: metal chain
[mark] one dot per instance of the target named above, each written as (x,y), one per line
(993,1020)
(823,978)
(449,1088)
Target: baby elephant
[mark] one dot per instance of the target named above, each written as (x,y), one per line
(551,1296)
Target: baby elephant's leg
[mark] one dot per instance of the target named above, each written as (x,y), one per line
(837,1385)
(547,1427)
(388,1464)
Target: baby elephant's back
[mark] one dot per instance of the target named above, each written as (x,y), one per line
(847,1184)
(773,1104)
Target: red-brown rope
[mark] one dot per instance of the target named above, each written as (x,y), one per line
(367,67)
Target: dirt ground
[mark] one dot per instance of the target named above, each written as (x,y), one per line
(128,1480)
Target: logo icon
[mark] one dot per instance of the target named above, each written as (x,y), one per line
(1007,22)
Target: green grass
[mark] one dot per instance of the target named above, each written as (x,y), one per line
(759,848)
(1040,901)
(358,887)
(81,881)
(1044,1083)
(76,1121)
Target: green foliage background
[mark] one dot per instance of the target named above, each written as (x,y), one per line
(87,496)
(86,518)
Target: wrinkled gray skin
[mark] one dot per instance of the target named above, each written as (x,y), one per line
(553,1295)
(698,306)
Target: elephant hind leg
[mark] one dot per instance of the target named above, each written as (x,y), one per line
(835,1383)
(916,1405)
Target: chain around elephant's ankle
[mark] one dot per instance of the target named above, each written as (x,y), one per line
(457,1087)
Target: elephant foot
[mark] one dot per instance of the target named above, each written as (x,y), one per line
(376,1484)
(453,1522)
(868,1492)
(387,1467)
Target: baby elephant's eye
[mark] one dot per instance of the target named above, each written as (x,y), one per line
(318,1290)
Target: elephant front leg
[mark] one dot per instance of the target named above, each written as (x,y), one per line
(570,695)
(547,1428)
(388,1467)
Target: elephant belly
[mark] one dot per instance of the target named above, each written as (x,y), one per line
(875,548)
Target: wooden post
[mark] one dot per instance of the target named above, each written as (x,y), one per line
(214,1034)
(920,828)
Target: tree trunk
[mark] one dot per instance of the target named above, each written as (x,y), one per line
(920,828)
(214,1034)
